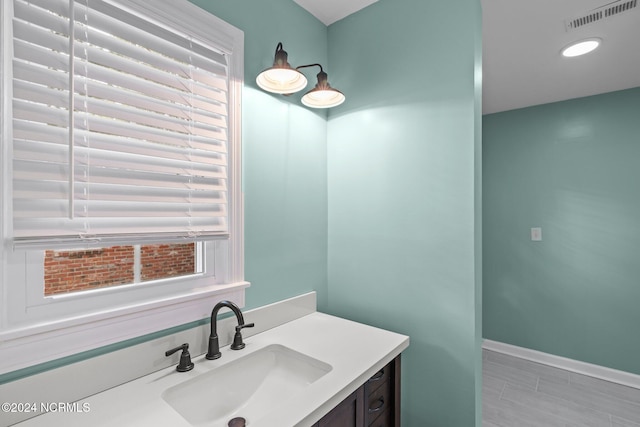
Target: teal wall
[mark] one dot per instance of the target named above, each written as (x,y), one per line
(404,190)
(285,156)
(571,168)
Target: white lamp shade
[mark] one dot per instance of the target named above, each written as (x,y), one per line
(281,80)
(323,98)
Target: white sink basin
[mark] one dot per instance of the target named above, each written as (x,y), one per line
(248,387)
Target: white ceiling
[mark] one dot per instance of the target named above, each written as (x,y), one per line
(522,39)
(330,11)
(522,65)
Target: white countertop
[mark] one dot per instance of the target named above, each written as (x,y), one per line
(354,351)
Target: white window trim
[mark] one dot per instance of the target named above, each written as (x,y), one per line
(24,344)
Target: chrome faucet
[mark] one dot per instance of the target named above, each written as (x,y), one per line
(214,347)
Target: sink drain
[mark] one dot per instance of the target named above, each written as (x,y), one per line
(237,422)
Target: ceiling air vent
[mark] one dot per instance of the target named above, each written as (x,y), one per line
(600,13)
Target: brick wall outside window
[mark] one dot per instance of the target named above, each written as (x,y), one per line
(80,270)
(162,261)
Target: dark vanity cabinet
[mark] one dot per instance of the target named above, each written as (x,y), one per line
(375,404)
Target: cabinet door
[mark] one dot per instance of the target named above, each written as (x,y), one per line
(347,414)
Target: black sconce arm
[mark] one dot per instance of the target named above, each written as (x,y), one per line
(311,65)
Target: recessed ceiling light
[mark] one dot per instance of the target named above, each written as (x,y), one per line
(581,47)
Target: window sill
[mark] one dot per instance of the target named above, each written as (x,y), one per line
(27,346)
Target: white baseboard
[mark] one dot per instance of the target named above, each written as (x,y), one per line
(584,368)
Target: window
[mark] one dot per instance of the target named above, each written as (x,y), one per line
(121,196)
(88,269)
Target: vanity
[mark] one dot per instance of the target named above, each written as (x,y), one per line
(374,404)
(314,370)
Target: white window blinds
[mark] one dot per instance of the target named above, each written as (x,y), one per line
(119,128)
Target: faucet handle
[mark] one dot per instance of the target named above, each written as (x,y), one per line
(248,325)
(185,358)
(237,338)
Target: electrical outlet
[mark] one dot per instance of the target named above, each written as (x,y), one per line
(536,234)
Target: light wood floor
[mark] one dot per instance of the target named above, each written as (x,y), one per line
(519,393)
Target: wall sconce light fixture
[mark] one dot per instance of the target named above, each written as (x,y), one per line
(282,78)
